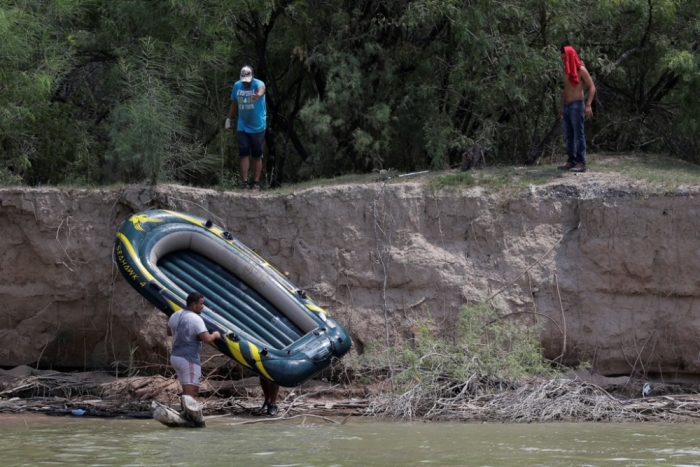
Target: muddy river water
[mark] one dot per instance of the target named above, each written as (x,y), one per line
(35,440)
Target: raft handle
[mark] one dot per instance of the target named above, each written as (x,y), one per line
(264,352)
(208,224)
(227,235)
(232,336)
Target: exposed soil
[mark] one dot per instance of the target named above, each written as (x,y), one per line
(609,270)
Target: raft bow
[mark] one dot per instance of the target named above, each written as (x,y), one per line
(267,324)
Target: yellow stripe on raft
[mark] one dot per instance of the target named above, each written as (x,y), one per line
(139,219)
(235,349)
(316,308)
(134,256)
(185,217)
(258,362)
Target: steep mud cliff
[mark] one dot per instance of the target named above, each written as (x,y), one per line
(610,272)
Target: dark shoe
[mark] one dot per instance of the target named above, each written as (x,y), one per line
(567,166)
(244,185)
(272,410)
(256,186)
(578,168)
(265,407)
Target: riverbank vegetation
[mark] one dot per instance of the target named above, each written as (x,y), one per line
(490,368)
(95,92)
(487,368)
(483,350)
(532,400)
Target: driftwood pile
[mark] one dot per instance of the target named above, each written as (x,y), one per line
(538,401)
(90,394)
(100,395)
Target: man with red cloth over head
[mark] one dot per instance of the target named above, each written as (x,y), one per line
(574,110)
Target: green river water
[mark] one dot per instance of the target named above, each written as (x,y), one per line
(50,441)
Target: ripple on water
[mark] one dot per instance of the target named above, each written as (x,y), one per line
(68,442)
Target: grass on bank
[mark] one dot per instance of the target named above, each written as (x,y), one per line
(659,174)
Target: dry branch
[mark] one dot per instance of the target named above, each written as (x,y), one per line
(476,398)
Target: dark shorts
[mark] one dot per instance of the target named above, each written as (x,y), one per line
(251,144)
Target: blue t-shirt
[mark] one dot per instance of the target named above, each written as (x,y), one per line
(252,116)
(186,326)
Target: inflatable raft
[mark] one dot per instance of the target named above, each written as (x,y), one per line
(267,324)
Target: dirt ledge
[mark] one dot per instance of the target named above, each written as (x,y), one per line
(607,266)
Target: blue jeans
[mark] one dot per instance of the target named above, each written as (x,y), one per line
(572,121)
(251,143)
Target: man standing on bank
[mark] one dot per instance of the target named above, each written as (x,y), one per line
(248,96)
(188,331)
(573,109)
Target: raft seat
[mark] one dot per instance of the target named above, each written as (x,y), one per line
(230,298)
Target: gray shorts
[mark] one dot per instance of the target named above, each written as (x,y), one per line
(187,373)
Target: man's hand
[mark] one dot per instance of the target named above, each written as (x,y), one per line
(589,111)
(208,338)
(260,92)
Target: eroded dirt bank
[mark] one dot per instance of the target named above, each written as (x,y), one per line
(611,272)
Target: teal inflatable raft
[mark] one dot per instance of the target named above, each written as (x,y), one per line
(267,324)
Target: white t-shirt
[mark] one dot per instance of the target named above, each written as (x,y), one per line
(186,326)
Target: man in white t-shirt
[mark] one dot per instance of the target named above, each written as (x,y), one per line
(188,331)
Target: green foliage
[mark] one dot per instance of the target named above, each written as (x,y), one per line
(148,131)
(485,344)
(501,347)
(98,92)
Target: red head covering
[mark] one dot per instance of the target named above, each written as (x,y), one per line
(571,64)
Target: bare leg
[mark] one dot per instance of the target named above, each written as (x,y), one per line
(271,390)
(244,164)
(265,385)
(190,390)
(257,169)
